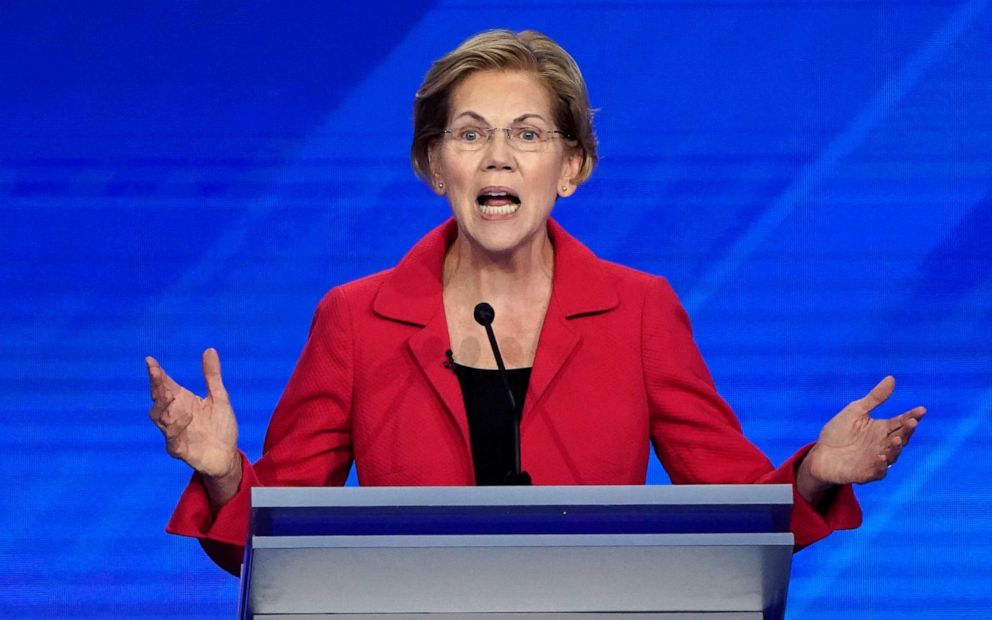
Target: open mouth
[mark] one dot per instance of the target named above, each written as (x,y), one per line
(495,202)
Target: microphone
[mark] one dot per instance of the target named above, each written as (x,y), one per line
(484,315)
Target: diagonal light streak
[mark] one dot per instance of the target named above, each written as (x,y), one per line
(801,187)
(895,503)
(840,147)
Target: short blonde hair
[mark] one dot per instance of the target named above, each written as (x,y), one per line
(504,50)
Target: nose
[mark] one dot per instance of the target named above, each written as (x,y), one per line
(498,154)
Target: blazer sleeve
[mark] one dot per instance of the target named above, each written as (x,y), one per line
(308,442)
(697,436)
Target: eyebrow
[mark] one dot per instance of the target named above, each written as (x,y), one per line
(481,119)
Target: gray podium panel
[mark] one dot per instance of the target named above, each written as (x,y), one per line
(722,575)
(473,574)
(724,495)
(526,616)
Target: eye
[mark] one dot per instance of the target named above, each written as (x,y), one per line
(469,134)
(528,134)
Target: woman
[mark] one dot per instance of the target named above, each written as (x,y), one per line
(397,376)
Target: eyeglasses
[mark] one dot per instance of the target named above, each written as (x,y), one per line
(522,138)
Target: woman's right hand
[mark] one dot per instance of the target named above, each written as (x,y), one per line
(200,431)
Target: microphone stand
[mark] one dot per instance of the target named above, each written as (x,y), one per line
(484,315)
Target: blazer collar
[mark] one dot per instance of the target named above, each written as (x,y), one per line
(412,290)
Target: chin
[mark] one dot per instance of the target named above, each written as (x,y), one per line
(502,237)
(496,244)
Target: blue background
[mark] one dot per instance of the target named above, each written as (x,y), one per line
(815,179)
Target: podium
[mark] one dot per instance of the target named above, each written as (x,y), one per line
(714,552)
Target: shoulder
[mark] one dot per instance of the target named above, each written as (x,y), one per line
(358,293)
(586,283)
(631,277)
(417,276)
(634,284)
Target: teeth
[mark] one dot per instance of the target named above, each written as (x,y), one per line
(501,210)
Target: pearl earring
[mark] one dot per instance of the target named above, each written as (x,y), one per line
(440,184)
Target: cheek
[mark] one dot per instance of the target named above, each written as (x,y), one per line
(456,173)
(552,176)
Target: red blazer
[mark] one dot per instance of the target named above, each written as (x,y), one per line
(616,370)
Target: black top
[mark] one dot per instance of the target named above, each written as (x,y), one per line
(490,423)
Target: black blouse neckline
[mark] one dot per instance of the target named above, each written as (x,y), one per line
(490,422)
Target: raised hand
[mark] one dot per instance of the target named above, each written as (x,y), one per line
(202,432)
(853,447)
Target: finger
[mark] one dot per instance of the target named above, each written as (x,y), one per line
(881,468)
(151,365)
(894,449)
(908,429)
(211,373)
(158,385)
(170,418)
(910,419)
(161,385)
(158,409)
(175,425)
(878,394)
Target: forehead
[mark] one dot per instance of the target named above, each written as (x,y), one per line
(501,96)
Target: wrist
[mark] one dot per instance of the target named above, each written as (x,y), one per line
(222,488)
(233,469)
(811,487)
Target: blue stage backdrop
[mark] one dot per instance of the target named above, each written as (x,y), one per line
(814,178)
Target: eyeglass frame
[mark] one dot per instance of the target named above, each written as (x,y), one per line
(508,132)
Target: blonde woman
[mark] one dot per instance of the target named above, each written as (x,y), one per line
(398,377)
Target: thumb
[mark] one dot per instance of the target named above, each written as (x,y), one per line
(878,394)
(211,373)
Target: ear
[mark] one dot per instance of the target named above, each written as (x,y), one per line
(569,170)
(438,185)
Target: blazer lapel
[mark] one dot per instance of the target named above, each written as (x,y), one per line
(429,347)
(580,289)
(557,341)
(412,294)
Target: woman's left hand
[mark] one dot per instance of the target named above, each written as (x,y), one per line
(854,447)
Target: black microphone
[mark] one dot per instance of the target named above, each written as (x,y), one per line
(484,315)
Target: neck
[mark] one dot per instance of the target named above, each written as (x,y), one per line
(492,275)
